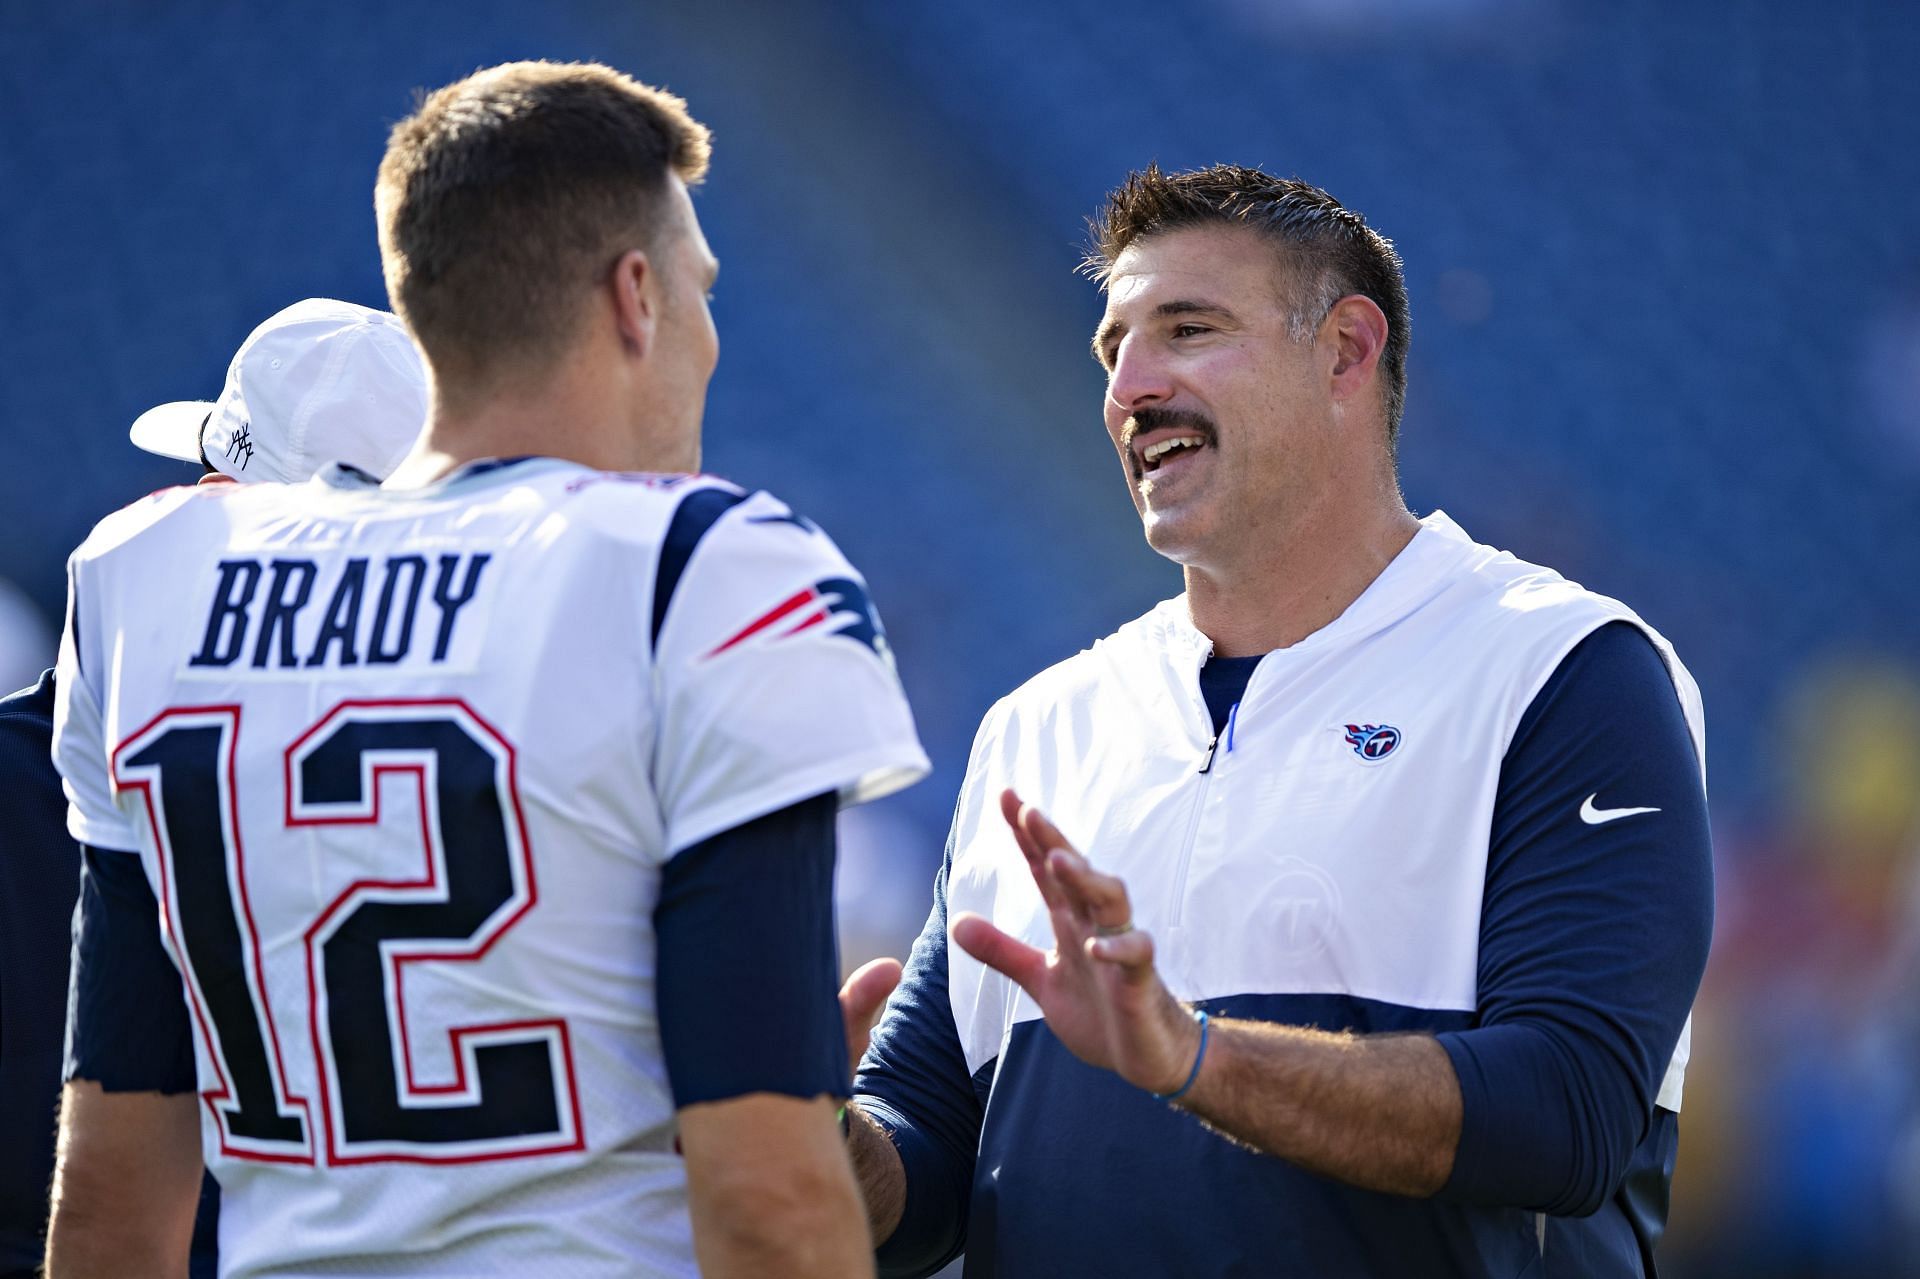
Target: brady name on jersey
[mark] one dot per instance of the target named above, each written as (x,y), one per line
(284,626)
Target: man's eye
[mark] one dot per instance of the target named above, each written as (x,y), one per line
(1188,330)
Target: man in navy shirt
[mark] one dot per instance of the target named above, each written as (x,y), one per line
(1339,917)
(366,407)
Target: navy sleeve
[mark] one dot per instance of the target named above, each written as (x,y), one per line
(39,876)
(749,972)
(127,1023)
(1593,935)
(914,1083)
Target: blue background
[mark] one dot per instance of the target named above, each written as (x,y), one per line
(1664,262)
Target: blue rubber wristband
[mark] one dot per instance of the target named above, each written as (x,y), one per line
(1200,1016)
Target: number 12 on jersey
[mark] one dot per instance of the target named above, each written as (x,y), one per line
(447,889)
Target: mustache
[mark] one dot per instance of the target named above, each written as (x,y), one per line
(1146,420)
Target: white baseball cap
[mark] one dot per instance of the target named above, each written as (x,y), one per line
(320,382)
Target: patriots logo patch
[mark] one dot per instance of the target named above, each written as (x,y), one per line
(1373,742)
(840,605)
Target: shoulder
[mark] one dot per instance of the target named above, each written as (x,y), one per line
(679,514)
(1109,665)
(1524,622)
(31,706)
(751,565)
(165,509)
(1511,602)
(632,504)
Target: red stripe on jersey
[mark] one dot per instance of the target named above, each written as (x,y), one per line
(789,605)
(807,624)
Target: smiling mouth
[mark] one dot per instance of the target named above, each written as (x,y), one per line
(1161,451)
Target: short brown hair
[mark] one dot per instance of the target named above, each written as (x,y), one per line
(505,194)
(1333,251)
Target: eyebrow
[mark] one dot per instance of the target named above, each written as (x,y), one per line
(1112,331)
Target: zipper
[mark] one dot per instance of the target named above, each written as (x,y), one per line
(1193,829)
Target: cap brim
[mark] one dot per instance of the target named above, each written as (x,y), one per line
(172,430)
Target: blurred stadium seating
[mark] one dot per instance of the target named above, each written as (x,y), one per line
(1665,272)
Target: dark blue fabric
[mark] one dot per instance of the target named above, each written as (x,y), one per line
(1593,937)
(1080,1173)
(1587,970)
(914,1081)
(749,968)
(39,878)
(128,1029)
(1223,682)
(691,519)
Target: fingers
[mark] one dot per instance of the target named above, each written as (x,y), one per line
(1131,951)
(1099,898)
(867,989)
(1042,831)
(1000,952)
(1035,852)
(860,1001)
(1010,807)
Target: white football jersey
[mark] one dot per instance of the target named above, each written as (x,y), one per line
(403,769)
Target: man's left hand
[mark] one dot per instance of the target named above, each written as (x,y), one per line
(1097,987)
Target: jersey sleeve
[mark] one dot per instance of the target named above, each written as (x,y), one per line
(772,674)
(1594,932)
(79,744)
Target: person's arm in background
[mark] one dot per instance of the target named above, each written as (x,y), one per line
(755,1048)
(1594,937)
(914,1124)
(876,1164)
(127,1176)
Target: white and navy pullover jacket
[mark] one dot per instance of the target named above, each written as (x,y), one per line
(1472,806)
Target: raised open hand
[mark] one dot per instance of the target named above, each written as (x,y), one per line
(1097,987)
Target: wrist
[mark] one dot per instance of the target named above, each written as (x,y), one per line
(1197,1026)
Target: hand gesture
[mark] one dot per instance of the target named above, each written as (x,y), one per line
(1097,987)
(861,999)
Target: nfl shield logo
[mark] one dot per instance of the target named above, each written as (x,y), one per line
(1373,742)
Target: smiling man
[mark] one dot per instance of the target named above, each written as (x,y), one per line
(1393,882)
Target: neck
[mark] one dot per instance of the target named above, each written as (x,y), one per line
(572,414)
(1280,596)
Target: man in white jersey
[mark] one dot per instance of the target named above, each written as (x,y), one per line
(487,815)
(1394,870)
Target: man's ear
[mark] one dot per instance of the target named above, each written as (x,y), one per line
(1357,328)
(636,301)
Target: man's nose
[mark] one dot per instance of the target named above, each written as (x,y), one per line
(1138,379)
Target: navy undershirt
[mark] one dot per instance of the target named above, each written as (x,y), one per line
(1223,682)
(749,968)
(1593,938)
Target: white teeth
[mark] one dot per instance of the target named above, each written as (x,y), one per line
(1154,452)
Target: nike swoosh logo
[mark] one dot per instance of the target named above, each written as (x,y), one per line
(1596,816)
